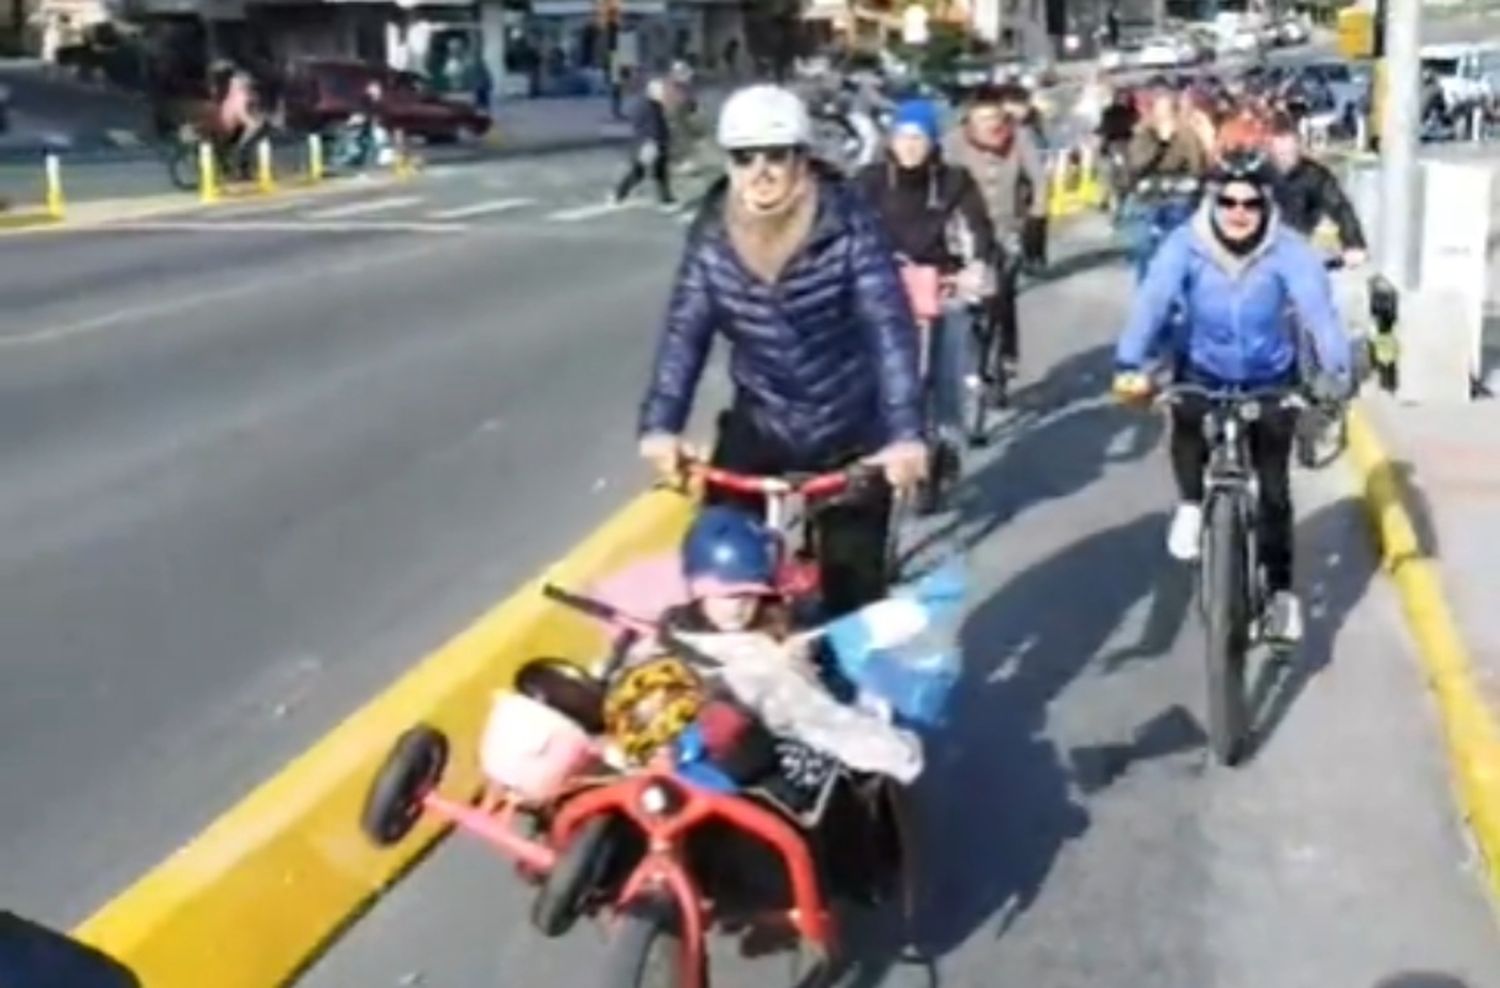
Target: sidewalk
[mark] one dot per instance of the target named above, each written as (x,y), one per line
(555,123)
(1447,458)
(1431,482)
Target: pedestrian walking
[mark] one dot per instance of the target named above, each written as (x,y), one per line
(650,151)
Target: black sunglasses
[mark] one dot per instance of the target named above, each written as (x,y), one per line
(745,157)
(1253,205)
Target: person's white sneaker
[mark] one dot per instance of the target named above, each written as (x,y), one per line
(1184,533)
(1283,618)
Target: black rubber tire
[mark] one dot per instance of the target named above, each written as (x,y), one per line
(559,901)
(182,167)
(412,770)
(1226,596)
(646,949)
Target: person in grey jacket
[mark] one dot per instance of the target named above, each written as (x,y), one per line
(1003,159)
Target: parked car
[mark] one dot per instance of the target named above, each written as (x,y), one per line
(1166,51)
(1293,31)
(321,93)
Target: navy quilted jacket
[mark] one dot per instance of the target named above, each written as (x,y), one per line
(824,361)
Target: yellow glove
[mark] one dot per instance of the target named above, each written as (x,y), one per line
(1132,388)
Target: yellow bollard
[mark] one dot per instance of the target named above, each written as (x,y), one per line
(315,158)
(54,187)
(265,179)
(401,162)
(208,174)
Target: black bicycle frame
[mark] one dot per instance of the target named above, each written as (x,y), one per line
(1230,474)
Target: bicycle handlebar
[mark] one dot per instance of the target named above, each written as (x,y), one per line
(1282,397)
(808,485)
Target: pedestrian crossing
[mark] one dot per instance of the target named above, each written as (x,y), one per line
(435,210)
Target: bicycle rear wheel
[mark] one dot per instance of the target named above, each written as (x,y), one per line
(1226,595)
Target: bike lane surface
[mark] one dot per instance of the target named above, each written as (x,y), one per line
(1076,831)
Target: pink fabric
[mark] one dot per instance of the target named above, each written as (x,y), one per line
(923,290)
(710,587)
(646,588)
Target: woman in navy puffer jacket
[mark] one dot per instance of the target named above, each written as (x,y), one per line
(791,267)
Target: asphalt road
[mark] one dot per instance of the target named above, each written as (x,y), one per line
(1076,832)
(260,460)
(256,468)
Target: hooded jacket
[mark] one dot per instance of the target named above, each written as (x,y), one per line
(823,359)
(920,206)
(1236,328)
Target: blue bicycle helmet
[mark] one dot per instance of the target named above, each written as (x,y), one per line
(727,552)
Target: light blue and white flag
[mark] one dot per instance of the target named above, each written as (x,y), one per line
(903,649)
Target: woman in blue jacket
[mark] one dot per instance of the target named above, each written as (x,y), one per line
(791,268)
(1233,270)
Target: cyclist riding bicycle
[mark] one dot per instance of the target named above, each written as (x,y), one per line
(790,265)
(1004,160)
(1165,162)
(936,218)
(1307,193)
(1234,269)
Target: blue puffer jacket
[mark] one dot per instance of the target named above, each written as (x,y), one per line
(1237,331)
(824,361)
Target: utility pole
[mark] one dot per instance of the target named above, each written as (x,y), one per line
(1399,125)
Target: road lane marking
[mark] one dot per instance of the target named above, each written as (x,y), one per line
(480,209)
(258,209)
(249,288)
(362,208)
(589,212)
(284,226)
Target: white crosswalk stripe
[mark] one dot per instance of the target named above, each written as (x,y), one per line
(364,208)
(480,209)
(578,213)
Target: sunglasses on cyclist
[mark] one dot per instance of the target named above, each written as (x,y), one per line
(745,157)
(1253,204)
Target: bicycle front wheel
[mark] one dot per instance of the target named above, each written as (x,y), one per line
(1226,596)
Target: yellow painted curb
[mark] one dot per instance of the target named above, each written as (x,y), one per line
(1470,729)
(26,220)
(253,899)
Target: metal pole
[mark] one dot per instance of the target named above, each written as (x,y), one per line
(1399,126)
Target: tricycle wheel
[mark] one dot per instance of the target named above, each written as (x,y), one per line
(646,950)
(410,772)
(579,870)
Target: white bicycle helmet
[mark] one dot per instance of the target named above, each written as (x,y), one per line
(764,116)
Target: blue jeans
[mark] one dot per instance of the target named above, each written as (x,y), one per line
(1146,225)
(953,361)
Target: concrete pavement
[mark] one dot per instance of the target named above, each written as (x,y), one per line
(1077,834)
(256,470)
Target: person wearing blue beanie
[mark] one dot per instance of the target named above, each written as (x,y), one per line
(921,114)
(924,203)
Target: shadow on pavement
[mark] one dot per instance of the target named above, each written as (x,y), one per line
(1082,262)
(1421,979)
(1054,445)
(33,956)
(997,801)
(1414,499)
(1333,579)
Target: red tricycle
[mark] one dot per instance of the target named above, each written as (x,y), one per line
(641,841)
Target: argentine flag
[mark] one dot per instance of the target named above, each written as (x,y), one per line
(902,650)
